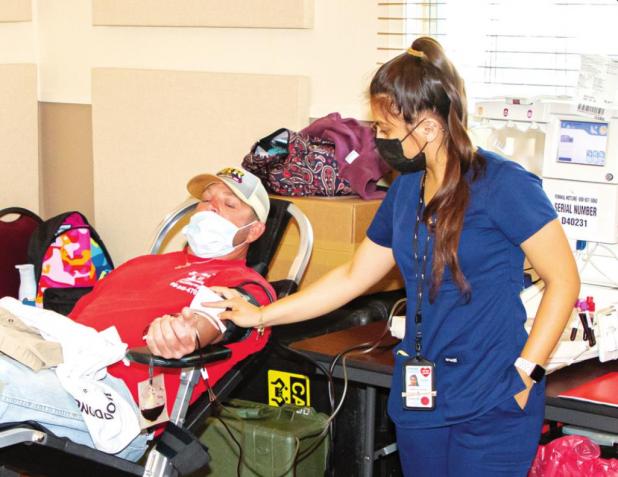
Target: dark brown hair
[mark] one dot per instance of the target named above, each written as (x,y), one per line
(420,80)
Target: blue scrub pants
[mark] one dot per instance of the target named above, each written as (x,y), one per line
(499,443)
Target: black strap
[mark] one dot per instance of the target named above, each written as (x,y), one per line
(421,265)
(233,332)
(240,286)
(247,296)
(185,452)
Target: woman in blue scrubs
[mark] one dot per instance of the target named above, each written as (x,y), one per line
(458,222)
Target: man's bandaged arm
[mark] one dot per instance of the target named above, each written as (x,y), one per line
(226,331)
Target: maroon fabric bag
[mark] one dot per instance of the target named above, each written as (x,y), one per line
(355,152)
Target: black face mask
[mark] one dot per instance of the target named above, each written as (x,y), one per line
(391,152)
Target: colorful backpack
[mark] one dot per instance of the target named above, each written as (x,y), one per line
(69,257)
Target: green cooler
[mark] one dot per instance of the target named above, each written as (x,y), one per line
(273,440)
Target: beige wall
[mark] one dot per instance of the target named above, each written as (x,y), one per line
(338,54)
(19,163)
(17,43)
(337,67)
(154,129)
(66,149)
(16,10)
(209,13)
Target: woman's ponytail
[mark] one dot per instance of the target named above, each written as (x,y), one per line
(423,79)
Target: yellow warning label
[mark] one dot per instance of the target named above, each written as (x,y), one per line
(287,388)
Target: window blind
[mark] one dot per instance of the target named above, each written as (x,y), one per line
(502,47)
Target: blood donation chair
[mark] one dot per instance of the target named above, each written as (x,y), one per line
(30,448)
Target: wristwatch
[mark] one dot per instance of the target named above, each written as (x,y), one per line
(535,371)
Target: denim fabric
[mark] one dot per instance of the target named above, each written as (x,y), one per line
(29,396)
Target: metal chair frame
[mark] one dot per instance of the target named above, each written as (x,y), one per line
(300,262)
(157,465)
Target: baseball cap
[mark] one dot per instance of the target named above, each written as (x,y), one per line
(243,184)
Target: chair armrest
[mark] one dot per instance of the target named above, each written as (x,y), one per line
(197,359)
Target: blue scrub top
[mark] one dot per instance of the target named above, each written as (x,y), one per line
(473,344)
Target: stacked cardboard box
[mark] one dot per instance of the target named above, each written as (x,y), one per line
(339,226)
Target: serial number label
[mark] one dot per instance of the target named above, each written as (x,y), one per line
(575,222)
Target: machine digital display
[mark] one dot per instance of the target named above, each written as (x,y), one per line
(582,142)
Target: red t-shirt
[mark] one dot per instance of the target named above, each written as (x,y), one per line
(150,286)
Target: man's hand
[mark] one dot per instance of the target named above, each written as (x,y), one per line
(173,336)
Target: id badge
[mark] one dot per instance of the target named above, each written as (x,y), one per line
(419,391)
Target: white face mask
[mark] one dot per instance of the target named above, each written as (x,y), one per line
(210,235)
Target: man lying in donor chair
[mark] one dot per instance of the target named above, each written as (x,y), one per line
(146,299)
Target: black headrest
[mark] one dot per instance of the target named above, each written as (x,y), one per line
(262,251)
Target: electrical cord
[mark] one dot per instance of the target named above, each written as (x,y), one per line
(363,348)
(585,259)
(216,415)
(395,308)
(318,365)
(286,468)
(296,455)
(608,249)
(330,387)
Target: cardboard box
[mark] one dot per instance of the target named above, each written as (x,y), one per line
(339,226)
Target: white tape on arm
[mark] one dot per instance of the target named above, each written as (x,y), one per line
(205,294)
(217,323)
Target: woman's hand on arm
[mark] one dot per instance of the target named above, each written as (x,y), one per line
(370,263)
(550,255)
(245,313)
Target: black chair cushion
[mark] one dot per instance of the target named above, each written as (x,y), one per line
(263,249)
(197,359)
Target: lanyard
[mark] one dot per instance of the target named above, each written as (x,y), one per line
(421,268)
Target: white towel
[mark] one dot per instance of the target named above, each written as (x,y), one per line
(111,420)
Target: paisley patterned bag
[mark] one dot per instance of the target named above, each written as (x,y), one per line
(295,164)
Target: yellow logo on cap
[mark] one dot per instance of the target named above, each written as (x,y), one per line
(233,173)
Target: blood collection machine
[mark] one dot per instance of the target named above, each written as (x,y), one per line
(577,157)
(580,174)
